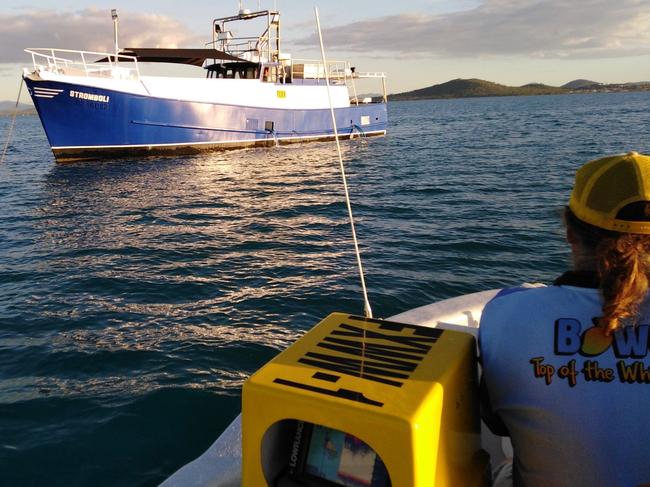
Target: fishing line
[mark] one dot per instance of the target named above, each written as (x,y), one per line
(13,121)
(366,302)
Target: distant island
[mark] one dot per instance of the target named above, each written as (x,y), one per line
(7,109)
(470,88)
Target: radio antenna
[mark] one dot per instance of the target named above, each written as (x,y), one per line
(366,303)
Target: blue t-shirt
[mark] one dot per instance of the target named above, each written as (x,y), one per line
(576,402)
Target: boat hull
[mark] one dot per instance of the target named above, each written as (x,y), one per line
(86,122)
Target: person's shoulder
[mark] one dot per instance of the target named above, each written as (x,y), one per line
(509,313)
(539,296)
(514,296)
(510,305)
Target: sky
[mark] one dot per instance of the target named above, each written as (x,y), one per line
(418,43)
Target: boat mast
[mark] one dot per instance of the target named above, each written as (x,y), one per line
(115,21)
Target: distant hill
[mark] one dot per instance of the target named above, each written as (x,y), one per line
(468,88)
(7,108)
(578,84)
(9,105)
(463,88)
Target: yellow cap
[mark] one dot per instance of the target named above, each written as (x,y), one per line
(612,192)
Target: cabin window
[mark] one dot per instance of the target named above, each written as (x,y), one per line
(251,73)
(269,126)
(285,72)
(270,74)
(251,124)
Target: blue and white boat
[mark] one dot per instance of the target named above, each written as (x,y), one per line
(95,105)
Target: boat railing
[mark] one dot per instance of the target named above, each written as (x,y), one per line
(84,63)
(368,74)
(245,48)
(263,45)
(314,69)
(339,72)
(262,48)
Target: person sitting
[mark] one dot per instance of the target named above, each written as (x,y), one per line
(566,372)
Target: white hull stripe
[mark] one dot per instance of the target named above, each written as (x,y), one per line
(46,92)
(51,90)
(126,146)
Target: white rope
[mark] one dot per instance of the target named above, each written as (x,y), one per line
(13,122)
(367,309)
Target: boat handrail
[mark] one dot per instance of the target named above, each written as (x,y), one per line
(263,44)
(375,74)
(83,63)
(337,70)
(236,49)
(239,45)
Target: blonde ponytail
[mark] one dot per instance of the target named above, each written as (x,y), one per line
(623,265)
(623,268)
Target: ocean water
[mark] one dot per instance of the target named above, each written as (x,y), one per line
(136,296)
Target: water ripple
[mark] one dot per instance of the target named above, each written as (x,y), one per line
(137,295)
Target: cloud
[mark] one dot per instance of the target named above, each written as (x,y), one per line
(90,30)
(534,28)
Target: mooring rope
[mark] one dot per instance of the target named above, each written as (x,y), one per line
(367,309)
(366,302)
(13,121)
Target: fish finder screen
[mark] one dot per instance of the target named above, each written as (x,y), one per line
(343,459)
